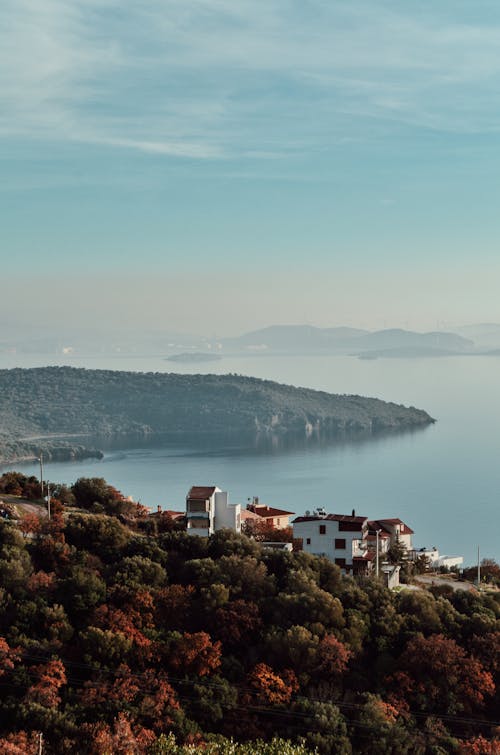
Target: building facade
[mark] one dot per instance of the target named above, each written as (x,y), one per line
(352,542)
(339,537)
(208,510)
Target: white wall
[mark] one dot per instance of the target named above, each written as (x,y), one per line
(325,544)
(226,515)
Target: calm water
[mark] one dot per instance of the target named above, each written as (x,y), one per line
(443,481)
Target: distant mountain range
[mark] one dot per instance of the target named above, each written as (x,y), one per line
(304,339)
(275,339)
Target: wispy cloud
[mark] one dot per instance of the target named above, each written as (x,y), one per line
(211,79)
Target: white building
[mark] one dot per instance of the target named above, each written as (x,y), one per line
(435,560)
(339,537)
(396,530)
(351,541)
(208,510)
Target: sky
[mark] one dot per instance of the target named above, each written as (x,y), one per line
(221,165)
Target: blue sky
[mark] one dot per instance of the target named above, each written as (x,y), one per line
(330,161)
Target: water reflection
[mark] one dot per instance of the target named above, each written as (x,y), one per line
(251,444)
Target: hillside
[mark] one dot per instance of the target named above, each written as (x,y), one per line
(39,407)
(118,638)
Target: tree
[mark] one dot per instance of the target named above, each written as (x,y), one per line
(268,687)
(333,657)
(436,675)
(381,730)
(122,738)
(20,743)
(480,746)
(50,677)
(100,535)
(195,654)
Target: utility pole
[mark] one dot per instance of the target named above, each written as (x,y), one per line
(40,459)
(48,498)
(377,533)
(478,570)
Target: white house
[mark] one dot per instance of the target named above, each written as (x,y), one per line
(208,510)
(339,537)
(350,541)
(396,530)
(435,560)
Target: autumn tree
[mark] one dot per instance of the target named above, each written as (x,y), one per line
(194,654)
(436,675)
(49,678)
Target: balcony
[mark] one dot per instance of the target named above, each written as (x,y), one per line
(197,507)
(198,524)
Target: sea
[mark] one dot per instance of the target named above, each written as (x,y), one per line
(443,481)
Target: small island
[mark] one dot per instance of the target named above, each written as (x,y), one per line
(43,409)
(192,357)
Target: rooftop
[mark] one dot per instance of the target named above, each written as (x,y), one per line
(200,493)
(268,511)
(332,518)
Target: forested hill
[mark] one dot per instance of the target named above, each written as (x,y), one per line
(52,402)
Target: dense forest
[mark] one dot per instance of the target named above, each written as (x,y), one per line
(40,406)
(120,633)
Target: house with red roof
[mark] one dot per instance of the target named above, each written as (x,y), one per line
(277,518)
(350,541)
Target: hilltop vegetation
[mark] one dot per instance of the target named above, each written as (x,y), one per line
(122,634)
(40,405)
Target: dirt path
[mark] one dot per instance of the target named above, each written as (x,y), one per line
(428,580)
(23,506)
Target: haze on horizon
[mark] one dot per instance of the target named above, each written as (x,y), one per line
(209,166)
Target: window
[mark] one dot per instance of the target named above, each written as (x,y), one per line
(308,541)
(322,529)
(340,561)
(340,543)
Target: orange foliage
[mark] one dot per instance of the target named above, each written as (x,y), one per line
(123,688)
(51,677)
(268,687)
(121,739)
(30,524)
(150,693)
(141,609)
(440,674)
(159,700)
(41,580)
(20,743)
(333,656)
(236,621)
(196,654)
(108,617)
(8,656)
(480,746)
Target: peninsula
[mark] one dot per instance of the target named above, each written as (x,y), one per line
(47,409)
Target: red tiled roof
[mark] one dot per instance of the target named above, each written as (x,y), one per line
(332,518)
(198,493)
(266,512)
(369,556)
(405,530)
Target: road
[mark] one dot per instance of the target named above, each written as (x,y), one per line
(429,579)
